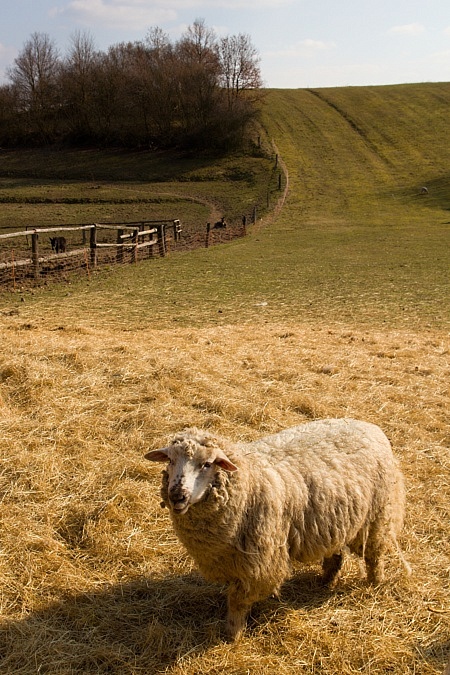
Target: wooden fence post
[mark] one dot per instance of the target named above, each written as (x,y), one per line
(13,270)
(35,254)
(93,245)
(150,248)
(119,254)
(254,215)
(279,181)
(208,230)
(244,225)
(162,239)
(134,250)
(176,230)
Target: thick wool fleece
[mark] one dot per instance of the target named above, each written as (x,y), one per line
(304,494)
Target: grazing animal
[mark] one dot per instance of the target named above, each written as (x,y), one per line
(58,244)
(424,191)
(220,224)
(245,510)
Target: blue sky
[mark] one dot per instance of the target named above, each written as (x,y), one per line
(302,43)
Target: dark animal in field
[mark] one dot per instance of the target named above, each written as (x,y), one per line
(220,224)
(58,244)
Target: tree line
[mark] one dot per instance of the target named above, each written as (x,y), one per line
(199,91)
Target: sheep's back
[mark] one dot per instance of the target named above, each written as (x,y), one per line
(338,476)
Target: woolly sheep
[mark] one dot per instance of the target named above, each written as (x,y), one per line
(244,510)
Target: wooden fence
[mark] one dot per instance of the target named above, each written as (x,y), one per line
(132,239)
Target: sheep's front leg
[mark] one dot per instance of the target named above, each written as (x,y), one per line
(331,567)
(238,609)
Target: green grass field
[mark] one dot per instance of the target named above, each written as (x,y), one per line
(336,306)
(355,241)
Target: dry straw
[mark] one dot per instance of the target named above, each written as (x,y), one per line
(92,577)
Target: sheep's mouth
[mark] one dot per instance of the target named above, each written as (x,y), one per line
(180,508)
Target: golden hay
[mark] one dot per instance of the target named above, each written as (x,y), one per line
(92,577)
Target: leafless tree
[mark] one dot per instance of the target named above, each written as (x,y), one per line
(239,65)
(198,88)
(198,91)
(77,81)
(34,76)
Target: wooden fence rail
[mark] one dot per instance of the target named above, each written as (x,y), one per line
(131,237)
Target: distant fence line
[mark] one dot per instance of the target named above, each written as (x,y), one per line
(131,238)
(133,241)
(100,244)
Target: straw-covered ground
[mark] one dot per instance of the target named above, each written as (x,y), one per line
(92,578)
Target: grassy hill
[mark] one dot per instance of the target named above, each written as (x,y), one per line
(338,306)
(355,239)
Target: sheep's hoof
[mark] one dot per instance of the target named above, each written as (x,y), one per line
(235,627)
(234,636)
(331,568)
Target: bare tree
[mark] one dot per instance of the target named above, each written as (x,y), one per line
(239,62)
(160,82)
(198,72)
(78,84)
(199,44)
(34,76)
(197,92)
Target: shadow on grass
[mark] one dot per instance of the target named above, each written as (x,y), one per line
(140,626)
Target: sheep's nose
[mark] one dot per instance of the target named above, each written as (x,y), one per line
(178,499)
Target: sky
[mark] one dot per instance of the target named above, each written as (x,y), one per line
(301,43)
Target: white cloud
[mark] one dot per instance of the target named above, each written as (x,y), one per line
(407,29)
(447,30)
(130,14)
(134,14)
(303,48)
(317,44)
(227,4)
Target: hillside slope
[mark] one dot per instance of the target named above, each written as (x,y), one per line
(347,145)
(355,240)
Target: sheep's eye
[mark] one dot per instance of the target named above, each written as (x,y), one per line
(206,465)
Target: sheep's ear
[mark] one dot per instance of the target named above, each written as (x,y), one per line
(157,455)
(225,463)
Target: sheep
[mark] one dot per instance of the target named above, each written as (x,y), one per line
(58,244)
(245,510)
(424,190)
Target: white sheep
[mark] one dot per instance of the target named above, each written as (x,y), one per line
(244,510)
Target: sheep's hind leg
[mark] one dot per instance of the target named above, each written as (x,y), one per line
(238,610)
(374,553)
(375,567)
(331,567)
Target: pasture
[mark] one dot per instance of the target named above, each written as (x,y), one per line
(338,307)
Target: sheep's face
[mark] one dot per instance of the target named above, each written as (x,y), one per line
(192,469)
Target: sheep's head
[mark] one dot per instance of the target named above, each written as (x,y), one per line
(193,460)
